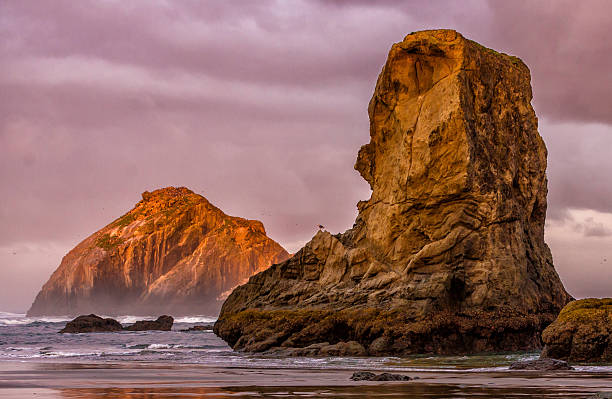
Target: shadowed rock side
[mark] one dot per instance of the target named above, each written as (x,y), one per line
(448,254)
(173,253)
(93,323)
(581,333)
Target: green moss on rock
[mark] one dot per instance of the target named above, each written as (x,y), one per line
(108,242)
(581,333)
(125,220)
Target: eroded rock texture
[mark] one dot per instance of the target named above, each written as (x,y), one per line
(448,254)
(581,333)
(173,253)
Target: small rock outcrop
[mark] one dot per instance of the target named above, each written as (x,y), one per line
(94,323)
(163,323)
(541,365)
(368,376)
(91,323)
(448,254)
(581,333)
(174,252)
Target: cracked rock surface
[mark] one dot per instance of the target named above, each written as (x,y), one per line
(448,254)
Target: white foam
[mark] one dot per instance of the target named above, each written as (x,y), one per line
(129,319)
(159,346)
(195,319)
(15,319)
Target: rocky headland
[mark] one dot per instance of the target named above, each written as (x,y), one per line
(582,333)
(174,252)
(448,254)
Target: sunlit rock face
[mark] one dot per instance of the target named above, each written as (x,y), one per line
(448,254)
(173,253)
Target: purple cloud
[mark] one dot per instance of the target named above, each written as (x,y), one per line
(259,106)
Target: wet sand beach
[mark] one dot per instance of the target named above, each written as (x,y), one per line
(161,381)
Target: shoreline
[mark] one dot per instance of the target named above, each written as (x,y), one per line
(166,380)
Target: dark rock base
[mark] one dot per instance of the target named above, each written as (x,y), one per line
(380,333)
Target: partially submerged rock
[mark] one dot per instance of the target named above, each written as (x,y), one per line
(163,323)
(541,364)
(581,333)
(448,254)
(368,376)
(92,323)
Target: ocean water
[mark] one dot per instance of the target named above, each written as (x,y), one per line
(37,339)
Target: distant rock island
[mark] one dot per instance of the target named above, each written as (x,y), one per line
(448,255)
(174,252)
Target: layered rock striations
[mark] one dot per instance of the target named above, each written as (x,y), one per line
(174,252)
(448,254)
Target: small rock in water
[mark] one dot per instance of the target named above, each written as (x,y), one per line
(163,323)
(368,376)
(541,364)
(362,376)
(91,323)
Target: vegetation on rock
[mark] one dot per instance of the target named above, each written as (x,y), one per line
(581,333)
(108,242)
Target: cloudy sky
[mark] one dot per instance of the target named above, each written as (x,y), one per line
(261,107)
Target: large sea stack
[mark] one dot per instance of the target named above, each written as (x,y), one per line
(174,252)
(448,254)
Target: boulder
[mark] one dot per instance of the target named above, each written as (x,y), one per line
(581,333)
(91,323)
(163,323)
(541,364)
(448,254)
(368,376)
